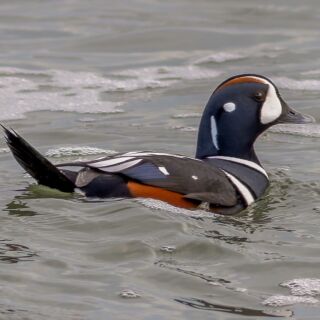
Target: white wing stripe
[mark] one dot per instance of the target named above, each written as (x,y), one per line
(244,191)
(141,154)
(121,166)
(147,154)
(110,162)
(247,163)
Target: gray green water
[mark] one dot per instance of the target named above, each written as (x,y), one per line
(135,75)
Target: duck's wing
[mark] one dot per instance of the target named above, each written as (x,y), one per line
(190,177)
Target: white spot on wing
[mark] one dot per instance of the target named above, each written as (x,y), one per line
(214,132)
(194,177)
(229,106)
(164,171)
(150,154)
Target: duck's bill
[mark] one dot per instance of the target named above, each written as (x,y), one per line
(290,115)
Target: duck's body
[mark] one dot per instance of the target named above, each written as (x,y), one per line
(226,175)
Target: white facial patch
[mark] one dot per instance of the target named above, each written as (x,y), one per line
(271,108)
(214,132)
(229,107)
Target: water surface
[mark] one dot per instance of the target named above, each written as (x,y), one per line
(87,78)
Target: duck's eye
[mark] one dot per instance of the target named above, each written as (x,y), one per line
(259,96)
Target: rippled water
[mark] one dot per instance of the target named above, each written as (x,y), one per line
(81,79)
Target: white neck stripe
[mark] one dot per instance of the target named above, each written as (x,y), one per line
(247,163)
(214,132)
(243,190)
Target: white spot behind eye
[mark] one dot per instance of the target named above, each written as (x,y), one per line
(194,177)
(229,106)
(271,108)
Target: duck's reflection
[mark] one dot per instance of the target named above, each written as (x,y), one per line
(11,252)
(19,208)
(205,305)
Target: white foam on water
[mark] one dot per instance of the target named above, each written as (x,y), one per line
(276,8)
(77,151)
(220,57)
(185,129)
(293,84)
(303,286)
(187,115)
(160,205)
(90,80)
(311,72)
(22,92)
(259,51)
(280,301)
(129,294)
(168,249)
(307,130)
(170,74)
(4,150)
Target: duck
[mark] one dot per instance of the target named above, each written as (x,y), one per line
(224,177)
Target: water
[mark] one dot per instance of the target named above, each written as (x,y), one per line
(82,79)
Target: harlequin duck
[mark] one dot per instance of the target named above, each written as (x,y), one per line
(225,175)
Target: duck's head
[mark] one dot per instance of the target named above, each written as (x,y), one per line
(239,110)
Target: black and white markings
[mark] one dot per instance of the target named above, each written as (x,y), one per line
(164,170)
(246,182)
(242,189)
(247,163)
(115,164)
(229,106)
(214,132)
(128,160)
(271,108)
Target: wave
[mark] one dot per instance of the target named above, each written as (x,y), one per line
(302,291)
(187,115)
(160,205)
(25,90)
(303,286)
(308,130)
(292,84)
(280,300)
(170,74)
(260,51)
(77,151)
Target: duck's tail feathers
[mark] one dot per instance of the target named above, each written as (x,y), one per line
(36,164)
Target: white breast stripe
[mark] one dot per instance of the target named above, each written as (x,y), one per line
(121,166)
(247,163)
(110,162)
(244,191)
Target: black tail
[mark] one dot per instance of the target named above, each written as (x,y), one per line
(36,164)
